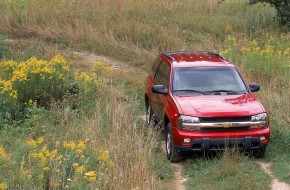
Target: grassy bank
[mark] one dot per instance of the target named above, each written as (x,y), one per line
(129,29)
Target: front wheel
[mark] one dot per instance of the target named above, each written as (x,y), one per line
(260,153)
(171,152)
(148,114)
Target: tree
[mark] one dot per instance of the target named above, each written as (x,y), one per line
(283,10)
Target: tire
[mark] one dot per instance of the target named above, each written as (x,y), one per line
(260,153)
(171,152)
(148,114)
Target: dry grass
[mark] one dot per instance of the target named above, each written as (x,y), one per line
(128,29)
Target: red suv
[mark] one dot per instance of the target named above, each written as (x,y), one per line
(204,105)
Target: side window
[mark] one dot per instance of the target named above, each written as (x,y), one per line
(162,74)
(154,66)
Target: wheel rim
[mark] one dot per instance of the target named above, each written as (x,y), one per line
(168,143)
(148,115)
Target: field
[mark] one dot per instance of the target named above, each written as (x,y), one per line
(69,119)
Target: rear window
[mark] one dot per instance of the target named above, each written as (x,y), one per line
(154,66)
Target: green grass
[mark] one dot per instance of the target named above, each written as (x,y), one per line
(227,171)
(134,32)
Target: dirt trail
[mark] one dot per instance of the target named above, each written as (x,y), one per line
(276,184)
(179,181)
(91,57)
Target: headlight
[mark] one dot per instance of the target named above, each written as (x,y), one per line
(261,119)
(189,123)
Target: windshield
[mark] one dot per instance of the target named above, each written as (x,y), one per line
(207,80)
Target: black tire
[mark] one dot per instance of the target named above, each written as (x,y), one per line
(148,114)
(260,153)
(171,152)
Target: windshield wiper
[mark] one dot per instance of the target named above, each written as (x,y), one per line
(227,91)
(188,90)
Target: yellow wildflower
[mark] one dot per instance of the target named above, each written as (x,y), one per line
(31,143)
(14,94)
(30,102)
(70,144)
(80,147)
(103,154)
(80,169)
(59,157)
(46,169)
(91,179)
(40,140)
(91,173)
(3,186)
(3,154)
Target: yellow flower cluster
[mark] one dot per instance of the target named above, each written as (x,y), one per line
(3,154)
(12,72)
(33,143)
(3,186)
(76,147)
(104,156)
(102,68)
(90,176)
(83,76)
(266,50)
(69,159)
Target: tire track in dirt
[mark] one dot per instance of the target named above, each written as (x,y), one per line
(179,180)
(276,184)
(91,57)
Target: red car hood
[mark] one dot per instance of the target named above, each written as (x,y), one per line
(220,105)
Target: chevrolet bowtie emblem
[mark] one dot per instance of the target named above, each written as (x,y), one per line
(227,125)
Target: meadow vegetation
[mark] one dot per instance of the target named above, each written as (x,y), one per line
(69,125)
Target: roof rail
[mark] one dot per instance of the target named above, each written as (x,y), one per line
(167,55)
(216,54)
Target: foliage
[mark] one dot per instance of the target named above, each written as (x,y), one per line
(4,48)
(151,26)
(282,7)
(265,58)
(67,164)
(38,82)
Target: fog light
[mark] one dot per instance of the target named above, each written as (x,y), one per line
(262,138)
(187,140)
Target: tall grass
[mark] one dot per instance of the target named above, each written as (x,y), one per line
(88,140)
(135,31)
(128,29)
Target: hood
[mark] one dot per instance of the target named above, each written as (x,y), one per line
(220,105)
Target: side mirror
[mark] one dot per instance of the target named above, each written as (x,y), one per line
(159,89)
(254,87)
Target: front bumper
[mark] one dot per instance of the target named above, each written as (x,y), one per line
(209,144)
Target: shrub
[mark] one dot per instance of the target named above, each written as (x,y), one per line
(283,10)
(39,82)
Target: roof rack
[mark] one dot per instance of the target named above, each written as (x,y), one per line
(167,54)
(216,54)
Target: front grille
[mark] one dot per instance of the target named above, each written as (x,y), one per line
(224,119)
(216,129)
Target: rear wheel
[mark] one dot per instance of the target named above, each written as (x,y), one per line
(171,152)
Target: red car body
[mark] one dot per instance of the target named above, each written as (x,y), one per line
(203,122)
